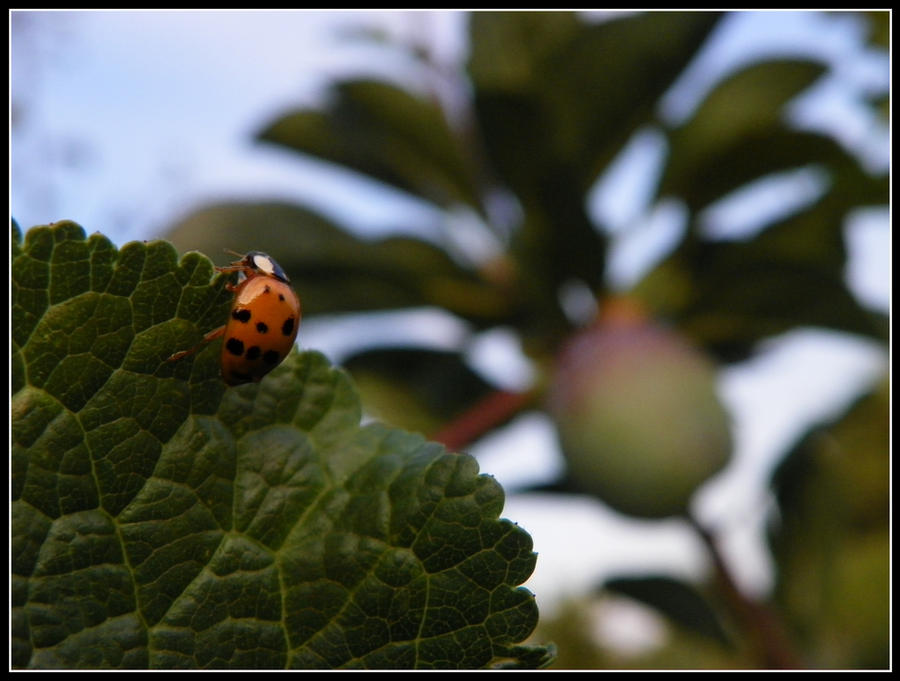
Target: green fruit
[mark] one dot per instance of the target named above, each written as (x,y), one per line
(638,417)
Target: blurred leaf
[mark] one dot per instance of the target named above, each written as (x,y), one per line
(415,388)
(508,48)
(556,93)
(730,295)
(556,100)
(757,299)
(334,271)
(851,451)
(728,167)
(882,105)
(680,602)
(556,241)
(555,244)
(581,644)
(741,112)
(607,82)
(384,131)
(528,657)
(880,23)
(831,536)
(162,520)
(573,626)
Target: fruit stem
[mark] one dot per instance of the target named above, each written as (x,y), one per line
(758,619)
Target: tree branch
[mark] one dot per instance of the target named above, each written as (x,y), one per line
(483,416)
(760,621)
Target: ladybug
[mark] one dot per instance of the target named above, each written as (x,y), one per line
(262,324)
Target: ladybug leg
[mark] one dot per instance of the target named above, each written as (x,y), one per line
(233,268)
(236,267)
(211,336)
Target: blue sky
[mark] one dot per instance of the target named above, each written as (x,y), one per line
(112,128)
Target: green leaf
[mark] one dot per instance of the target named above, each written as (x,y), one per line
(607,82)
(680,602)
(701,179)
(555,93)
(740,112)
(556,99)
(384,131)
(334,271)
(528,657)
(730,295)
(879,27)
(508,48)
(831,536)
(739,135)
(556,244)
(162,520)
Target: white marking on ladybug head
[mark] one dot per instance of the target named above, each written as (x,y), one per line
(264,264)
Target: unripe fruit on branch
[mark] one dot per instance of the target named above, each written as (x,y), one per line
(637,415)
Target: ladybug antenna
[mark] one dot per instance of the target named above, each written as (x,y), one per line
(230,252)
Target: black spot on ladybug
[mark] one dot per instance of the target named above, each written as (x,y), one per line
(262,327)
(266,290)
(281,297)
(253,352)
(241,314)
(235,346)
(271,357)
(288,327)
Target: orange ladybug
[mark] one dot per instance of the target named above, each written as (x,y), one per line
(262,324)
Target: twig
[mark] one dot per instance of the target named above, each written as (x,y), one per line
(491,411)
(759,620)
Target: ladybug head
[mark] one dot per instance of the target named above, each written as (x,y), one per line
(264,264)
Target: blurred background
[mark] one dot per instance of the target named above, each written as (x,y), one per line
(457,196)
